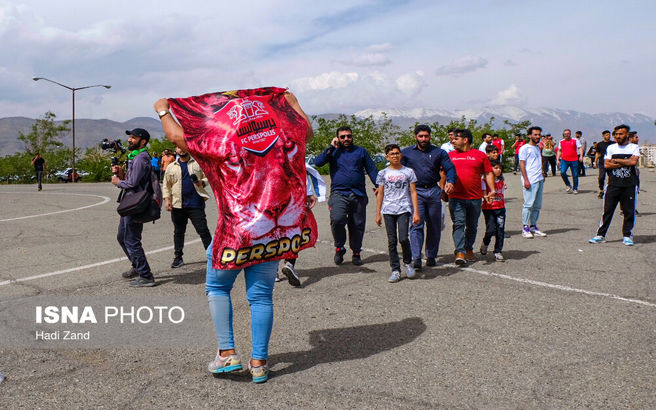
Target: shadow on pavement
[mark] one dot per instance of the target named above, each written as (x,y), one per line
(349,343)
(559,230)
(183,276)
(315,275)
(644,238)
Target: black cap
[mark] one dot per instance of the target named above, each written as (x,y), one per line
(139,132)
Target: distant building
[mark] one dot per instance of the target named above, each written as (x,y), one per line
(648,155)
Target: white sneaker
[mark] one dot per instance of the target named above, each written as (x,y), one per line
(395,277)
(568,189)
(537,232)
(499,257)
(410,272)
(526,233)
(575,192)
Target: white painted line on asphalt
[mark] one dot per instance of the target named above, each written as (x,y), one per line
(535,282)
(560,287)
(92,265)
(104,201)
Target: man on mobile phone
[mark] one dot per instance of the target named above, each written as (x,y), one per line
(184,196)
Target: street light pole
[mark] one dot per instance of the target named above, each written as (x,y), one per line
(73,90)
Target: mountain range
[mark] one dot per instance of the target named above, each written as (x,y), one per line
(550,120)
(89,133)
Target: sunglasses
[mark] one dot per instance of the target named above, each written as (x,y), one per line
(341,137)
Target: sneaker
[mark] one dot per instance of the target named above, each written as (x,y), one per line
(460,259)
(536,231)
(288,270)
(132,273)
(177,262)
(597,239)
(260,373)
(526,233)
(142,282)
(278,278)
(226,364)
(356,260)
(431,262)
(575,192)
(498,256)
(339,255)
(628,241)
(483,249)
(416,264)
(469,255)
(600,195)
(568,189)
(394,277)
(410,272)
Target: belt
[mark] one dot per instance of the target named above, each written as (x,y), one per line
(426,186)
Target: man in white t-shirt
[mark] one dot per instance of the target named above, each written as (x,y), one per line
(448,146)
(530,164)
(487,140)
(620,161)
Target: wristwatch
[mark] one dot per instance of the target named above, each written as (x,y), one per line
(163,113)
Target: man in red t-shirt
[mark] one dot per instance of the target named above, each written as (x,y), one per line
(465,199)
(519,141)
(500,144)
(568,155)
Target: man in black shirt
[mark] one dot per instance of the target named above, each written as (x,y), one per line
(599,160)
(620,161)
(39,165)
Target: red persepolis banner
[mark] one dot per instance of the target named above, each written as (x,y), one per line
(251,146)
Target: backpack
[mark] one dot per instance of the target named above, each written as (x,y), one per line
(144,206)
(154,210)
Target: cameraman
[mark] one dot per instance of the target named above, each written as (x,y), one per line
(129,232)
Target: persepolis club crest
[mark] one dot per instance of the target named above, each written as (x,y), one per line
(256,128)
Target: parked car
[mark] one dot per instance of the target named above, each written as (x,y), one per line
(65,176)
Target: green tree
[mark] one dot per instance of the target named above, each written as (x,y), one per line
(368,133)
(440,133)
(45,134)
(97,163)
(371,134)
(159,145)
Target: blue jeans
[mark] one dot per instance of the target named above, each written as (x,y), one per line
(430,212)
(495,224)
(574,165)
(259,292)
(464,214)
(532,203)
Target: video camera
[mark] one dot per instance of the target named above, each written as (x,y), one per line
(114,146)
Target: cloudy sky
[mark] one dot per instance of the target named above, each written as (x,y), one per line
(337,56)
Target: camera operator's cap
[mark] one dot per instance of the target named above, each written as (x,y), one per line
(139,132)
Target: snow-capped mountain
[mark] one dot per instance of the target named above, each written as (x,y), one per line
(550,119)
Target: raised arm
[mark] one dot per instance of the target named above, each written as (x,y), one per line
(291,99)
(172,129)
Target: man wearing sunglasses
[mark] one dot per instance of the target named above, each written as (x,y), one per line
(348,195)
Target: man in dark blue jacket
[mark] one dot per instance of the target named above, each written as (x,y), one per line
(348,195)
(428,161)
(129,231)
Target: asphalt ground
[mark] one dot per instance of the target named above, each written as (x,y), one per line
(561,324)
